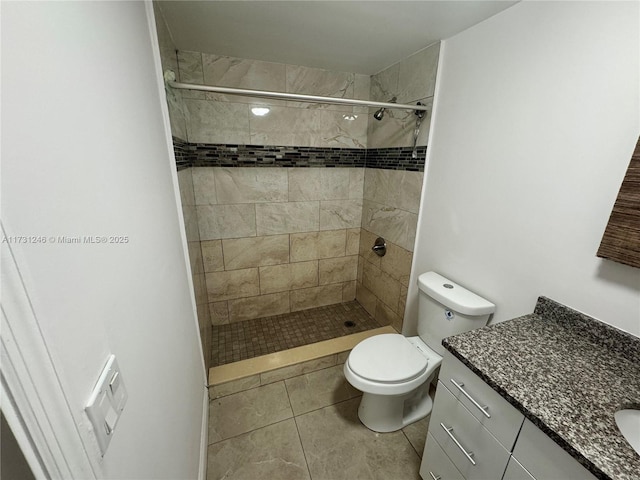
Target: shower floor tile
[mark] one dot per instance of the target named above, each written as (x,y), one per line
(253,338)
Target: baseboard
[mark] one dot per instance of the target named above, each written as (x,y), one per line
(204,437)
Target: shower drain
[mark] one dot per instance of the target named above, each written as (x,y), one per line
(349,324)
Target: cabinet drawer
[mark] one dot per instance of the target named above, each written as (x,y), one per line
(499,417)
(515,471)
(457,432)
(435,463)
(544,458)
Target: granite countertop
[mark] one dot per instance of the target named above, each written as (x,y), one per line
(566,372)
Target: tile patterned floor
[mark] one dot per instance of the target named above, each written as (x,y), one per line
(242,340)
(306,428)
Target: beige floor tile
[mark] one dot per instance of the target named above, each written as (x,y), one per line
(245,411)
(337,446)
(272,452)
(417,434)
(319,389)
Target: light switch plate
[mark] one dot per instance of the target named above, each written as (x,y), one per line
(106,403)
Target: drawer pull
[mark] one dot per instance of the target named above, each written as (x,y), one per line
(469,455)
(435,477)
(471,399)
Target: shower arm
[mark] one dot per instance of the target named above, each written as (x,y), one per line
(170,81)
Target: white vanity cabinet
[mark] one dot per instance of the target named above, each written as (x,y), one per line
(475,434)
(544,459)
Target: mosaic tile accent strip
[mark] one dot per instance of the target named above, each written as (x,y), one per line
(567,375)
(253,338)
(397,158)
(182,153)
(230,155)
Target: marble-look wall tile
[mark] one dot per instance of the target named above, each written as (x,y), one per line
(199,288)
(217,122)
(393,130)
(387,316)
(316,245)
(361,87)
(190,67)
(338,270)
(185,184)
(212,255)
(204,324)
(195,256)
(219,312)
(397,263)
(384,84)
(232,284)
(244,309)
(417,76)
(316,81)
(353,241)
(396,188)
(251,185)
(366,298)
(395,225)
(235,72)
(255,251)
(367,241)
(336,214)
(204,185)
(402,303)
(226,221)
(291,217)
(349,291)
(385,288)
(190,216)
(356,182)
(290,276)
(311,128)
(177,113)
(319,183)
(315,297)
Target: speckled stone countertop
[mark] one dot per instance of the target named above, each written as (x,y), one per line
(568,373)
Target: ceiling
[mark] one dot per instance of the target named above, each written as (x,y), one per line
(352,36)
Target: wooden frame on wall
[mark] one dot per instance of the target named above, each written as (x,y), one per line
(621,239)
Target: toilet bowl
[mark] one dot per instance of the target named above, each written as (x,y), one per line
(394,373)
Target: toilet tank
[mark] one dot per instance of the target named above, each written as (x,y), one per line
(445,308)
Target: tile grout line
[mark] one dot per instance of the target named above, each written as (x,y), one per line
(295,422)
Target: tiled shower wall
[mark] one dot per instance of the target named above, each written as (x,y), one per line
(391,198)
(276,240)
(281,239)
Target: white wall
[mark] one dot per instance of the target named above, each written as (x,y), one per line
(536,117)
(85,152)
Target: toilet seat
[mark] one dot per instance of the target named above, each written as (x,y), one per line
(387,358)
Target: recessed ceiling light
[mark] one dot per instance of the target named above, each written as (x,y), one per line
(349,116)
(260,111)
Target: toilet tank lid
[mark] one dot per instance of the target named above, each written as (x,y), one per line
(453,296)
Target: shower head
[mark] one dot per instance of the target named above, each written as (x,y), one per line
(380,112)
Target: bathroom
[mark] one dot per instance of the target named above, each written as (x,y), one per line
(527,144)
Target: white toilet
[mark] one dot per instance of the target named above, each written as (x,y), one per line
(394,372)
